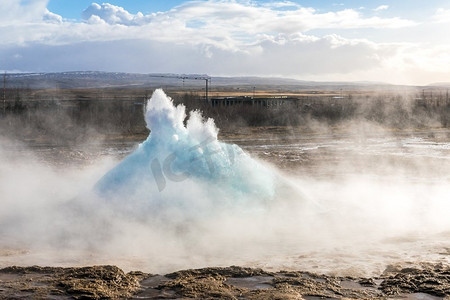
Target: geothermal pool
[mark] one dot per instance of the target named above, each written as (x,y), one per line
(345,201)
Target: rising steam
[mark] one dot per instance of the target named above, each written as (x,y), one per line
(184,199)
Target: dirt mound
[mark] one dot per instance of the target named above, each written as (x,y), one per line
(423,281)
(98,282)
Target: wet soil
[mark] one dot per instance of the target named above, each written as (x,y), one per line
(98,282)
(424,281)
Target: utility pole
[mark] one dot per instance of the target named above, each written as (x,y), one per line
(206,91)
(4,93)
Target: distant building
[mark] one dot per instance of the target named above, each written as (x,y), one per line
(251,101)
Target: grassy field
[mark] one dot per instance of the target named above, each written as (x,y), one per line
(74,114)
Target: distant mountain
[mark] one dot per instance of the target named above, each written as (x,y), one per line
(95,79)
(294,84)
(440,84)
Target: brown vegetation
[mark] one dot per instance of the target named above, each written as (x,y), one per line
(77,114)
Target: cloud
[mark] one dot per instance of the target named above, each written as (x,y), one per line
(231,15)
(442,15)
(51,17)
(431,60)
(301,55)
(215,37)
(16,12)
(350,19)
(282,4)
(296,55)
(262,18)
(381,7)
(113,14)
(224,24)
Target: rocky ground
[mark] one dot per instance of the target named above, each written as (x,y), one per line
(426,281)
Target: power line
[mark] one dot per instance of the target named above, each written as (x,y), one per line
(186,76)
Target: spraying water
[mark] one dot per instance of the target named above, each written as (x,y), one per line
(177,159)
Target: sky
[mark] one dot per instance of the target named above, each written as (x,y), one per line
(392,41)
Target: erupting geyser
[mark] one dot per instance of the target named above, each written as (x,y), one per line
(183,200)
(177,160)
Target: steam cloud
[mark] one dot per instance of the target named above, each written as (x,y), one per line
(181,200)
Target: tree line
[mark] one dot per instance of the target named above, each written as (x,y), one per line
(75,119)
